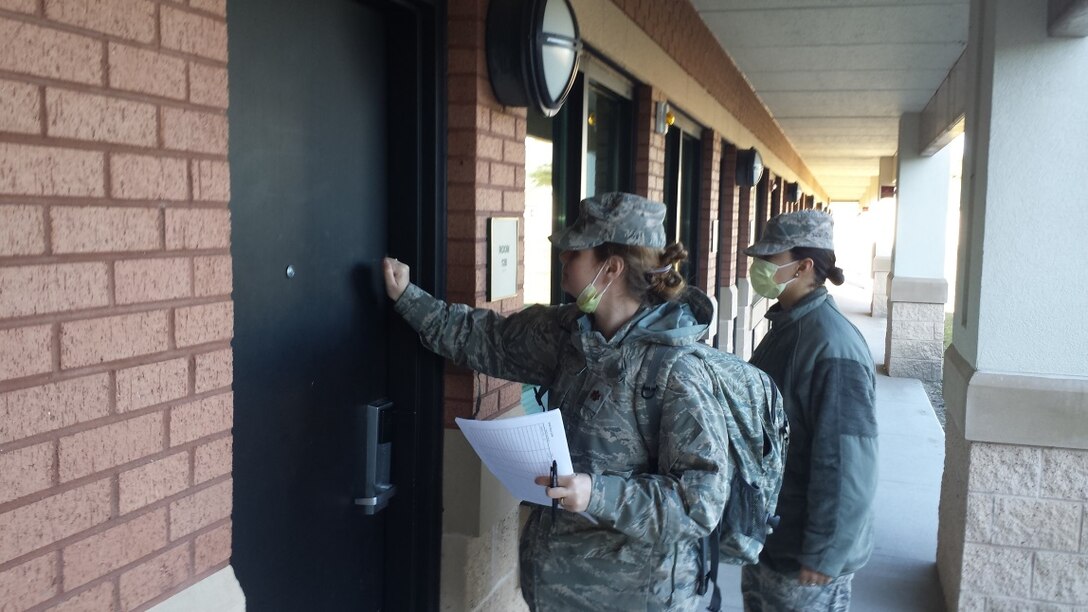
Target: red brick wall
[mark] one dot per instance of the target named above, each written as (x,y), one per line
(115,310)
(649,147)
(486,179)
(708,210)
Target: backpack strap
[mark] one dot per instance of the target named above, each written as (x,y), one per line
(649,385)
(708,548)
(652,393)
(712,574)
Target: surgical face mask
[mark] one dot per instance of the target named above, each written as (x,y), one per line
(761,274)
(590,298)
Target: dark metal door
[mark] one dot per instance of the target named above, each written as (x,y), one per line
(309,139)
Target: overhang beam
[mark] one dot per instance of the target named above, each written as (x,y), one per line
(1067,18)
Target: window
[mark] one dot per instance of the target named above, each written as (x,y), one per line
(682,170)
(608,141)
(584,150)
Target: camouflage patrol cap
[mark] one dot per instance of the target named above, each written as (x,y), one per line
(622,218)
(804,228)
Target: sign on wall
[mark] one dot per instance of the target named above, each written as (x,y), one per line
(502,258)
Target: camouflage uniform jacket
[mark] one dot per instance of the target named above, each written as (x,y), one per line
(822,364)
(660,481)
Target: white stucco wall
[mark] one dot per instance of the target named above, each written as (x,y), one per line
(922,207)
(1022,308)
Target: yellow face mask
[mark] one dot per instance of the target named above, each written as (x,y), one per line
(590,298)
(762,273)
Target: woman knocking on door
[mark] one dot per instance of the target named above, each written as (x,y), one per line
(654,483)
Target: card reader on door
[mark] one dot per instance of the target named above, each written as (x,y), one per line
(377,490)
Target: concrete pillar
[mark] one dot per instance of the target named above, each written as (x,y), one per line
(1014,502)
(882,266)
(881,213)
(727,316)
(742,333)
(917,290)
(746,235)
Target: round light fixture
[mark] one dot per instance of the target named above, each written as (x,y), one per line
(749,167)
(533,50)
(793,192)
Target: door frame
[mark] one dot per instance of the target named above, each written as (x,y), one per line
(417,236)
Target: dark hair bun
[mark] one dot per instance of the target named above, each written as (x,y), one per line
(836,276)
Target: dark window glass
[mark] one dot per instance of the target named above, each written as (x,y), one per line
(682,167)
(762,207)
(608,142)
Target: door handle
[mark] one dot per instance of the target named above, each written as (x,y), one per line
(377,490)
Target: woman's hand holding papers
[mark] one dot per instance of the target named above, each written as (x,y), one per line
(573,491)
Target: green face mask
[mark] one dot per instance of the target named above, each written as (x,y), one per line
(761,274)
(590,298)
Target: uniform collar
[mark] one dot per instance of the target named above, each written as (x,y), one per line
(782,318)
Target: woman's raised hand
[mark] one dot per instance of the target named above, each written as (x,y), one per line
(396,277)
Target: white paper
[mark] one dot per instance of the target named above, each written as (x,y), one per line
(519,449)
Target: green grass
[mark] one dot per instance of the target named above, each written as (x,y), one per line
(947,329)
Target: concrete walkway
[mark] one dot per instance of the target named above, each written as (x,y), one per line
(902,575)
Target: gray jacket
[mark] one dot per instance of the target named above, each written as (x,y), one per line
(822,364)
(659,480)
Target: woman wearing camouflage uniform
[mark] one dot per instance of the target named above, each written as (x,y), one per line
(822,364)
(655,484)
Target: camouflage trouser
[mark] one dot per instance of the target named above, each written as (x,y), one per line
(765,590)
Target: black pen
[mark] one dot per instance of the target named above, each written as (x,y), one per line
(555,483)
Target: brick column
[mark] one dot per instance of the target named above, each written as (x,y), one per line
(730,218)
(115,308)
(729,230)
(765,208)
(1014,500)
(649,147)
(486,169)
(708,210)
(746,222)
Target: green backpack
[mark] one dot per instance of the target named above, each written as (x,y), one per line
(758,438)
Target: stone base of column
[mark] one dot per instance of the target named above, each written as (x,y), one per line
(914,345)
(1013,529)
(481,573)
(727,317)
(480,524)
(882,266)
(219,592)
(760,325)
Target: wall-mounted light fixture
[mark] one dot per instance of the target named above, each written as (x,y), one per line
(793,192)
(749,167)
(533,50)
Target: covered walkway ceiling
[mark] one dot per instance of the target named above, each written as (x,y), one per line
(836,74)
